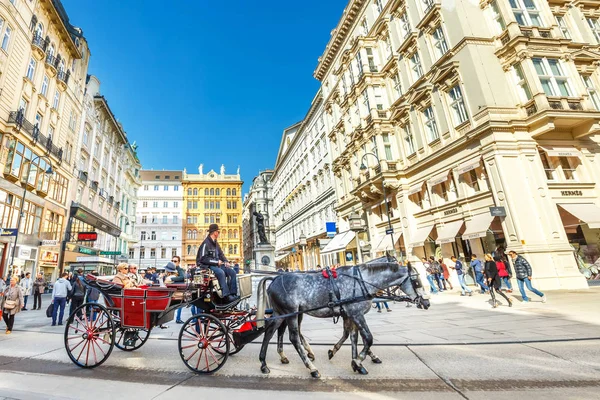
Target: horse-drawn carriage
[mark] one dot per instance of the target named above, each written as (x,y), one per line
(205,339)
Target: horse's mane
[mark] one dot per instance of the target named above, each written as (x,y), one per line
(377,264)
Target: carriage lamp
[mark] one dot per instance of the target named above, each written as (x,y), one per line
(302,239)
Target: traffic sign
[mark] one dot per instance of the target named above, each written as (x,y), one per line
(110,253)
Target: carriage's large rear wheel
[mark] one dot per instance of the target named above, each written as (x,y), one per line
(232,324)
(89,335)
(203,343)
(130,339)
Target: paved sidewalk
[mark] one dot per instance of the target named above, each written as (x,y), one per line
(452,319)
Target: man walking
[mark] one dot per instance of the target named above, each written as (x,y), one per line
(430,275)
(26,286)
(77,294)
(39,285)
(523,272)
(211,256)
(458,267)
(62,287)
(478,268)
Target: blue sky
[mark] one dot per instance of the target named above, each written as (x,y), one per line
(212,82)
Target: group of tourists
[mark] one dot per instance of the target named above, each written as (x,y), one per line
(489,274)
(14,295)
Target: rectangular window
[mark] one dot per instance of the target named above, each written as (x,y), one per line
(595,27)
(175,204)
(359,63)
(31,69)
(142,253)
(457,104)
(497,17)
(568,170)
(378,97)
(165,219)
(153,235)
(144,219)
(45,83)
(155,204)
(415,65)
(388,47)
(156,188)
(521,83)
(473,182)
(366,102)
(409,140)
(143,235)
(591,90)
(547,166)
(387,147)
(39,120)
(23,105)
(6,38)
(176,188)
(430,124)
(56,100)
(405,25)
(439,42)
(371,60)
(166,204)
(397,85)
(145,204)
(175,219)
(379,5)
(365,27)
(553,80)
(152,253)
(562,24)
(166,188)
(526,12)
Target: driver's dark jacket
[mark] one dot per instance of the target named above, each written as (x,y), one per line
(210,253)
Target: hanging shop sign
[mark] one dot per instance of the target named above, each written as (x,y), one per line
(49,258)
(87,236)
(8,232)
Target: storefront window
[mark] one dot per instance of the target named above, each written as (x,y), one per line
(568,170)
(547,167)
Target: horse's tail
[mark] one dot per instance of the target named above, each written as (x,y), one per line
(262,300)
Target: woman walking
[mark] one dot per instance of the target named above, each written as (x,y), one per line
(503,273)
(493,280)
(445,275)
(12,303)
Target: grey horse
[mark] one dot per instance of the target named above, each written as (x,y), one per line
(311,294)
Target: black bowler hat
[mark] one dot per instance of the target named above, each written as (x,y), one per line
(212,228)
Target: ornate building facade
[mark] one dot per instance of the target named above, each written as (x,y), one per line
(212,198)
(43,67)
(483,118)
(259,199)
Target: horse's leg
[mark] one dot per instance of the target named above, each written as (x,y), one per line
(374,358)
(305,344)
(361,325)
(356,365)
(292,323)
(347,328)
(280,332)
(272,326)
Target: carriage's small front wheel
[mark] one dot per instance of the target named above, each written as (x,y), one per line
(203,343)
(89,335)
(130,339)
(232,324)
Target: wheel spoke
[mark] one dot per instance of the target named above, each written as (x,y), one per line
(78,344)
(192,355)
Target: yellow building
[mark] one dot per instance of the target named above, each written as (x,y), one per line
(212,198)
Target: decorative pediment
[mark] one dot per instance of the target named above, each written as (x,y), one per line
(400,114)
(446,75)
(585,60)
(409,46)
(421,98)
(431,19)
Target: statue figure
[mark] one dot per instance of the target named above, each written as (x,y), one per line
(238,170)
(260,227)
(222,169)
(200,169)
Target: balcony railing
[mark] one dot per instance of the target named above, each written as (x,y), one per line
(39,42)
(18,119)
(94,186)
(52,61)
(83,176)
(63,76)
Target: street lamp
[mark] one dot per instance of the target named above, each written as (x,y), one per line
(356,225)
(125,230)
(141,248)
(48,171)
(158,246)
(390,230)
(302,243)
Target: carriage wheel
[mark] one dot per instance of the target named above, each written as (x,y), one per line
(130,339)
(203,344)
(89,335)
(231,325)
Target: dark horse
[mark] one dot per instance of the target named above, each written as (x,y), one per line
(311,294)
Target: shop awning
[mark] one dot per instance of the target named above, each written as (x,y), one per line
(557,151)
(384,242)
(448,232)
(339,242)
(587,213)
(281,257)
(478,226)
(468,166)
(436,180)
(415,189)
(418,238)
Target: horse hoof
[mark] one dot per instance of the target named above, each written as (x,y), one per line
(285,360)
(376,360)
(330,353)
(315,374)
(311,356)
(265,370)
(359,368)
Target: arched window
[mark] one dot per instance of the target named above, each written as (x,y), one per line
(235,233)
(230,249)
(233,192)
(51,51)
(235,249)
(189,234)
(61,66)
(195,192)
(212,192)
(39,30)
(224,232)
(195,234)
(206,192)
(189,192)
(228,192)
(230,236)
(194,249)
(218,192)
(189,249)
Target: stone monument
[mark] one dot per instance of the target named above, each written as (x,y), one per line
(264,252)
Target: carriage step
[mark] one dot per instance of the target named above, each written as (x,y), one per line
(228,306)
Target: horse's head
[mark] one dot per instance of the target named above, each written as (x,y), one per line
(413,287)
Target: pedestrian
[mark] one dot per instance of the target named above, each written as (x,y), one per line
(493,280)
(26,286)
(445,274)
(458,267)
(39,286)
(60,292)
(77,294)
(438,272)
(503,273)
(92,294)
(12,303)
(523,273)
(478,268)
(430,275)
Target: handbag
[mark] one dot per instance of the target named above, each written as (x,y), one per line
(49,310)
(9,304)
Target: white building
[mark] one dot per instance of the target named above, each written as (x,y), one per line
(159,219)
(303,193)
(260,199)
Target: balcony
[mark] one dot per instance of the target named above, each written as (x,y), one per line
(51,65)
(83,176)
(63,80)
(111,199)
(118,205)
(94,186)
(39,45)
(103,193)
(17,119)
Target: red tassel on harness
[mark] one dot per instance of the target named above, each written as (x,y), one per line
(326,275)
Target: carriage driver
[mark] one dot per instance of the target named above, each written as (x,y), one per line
(211,256)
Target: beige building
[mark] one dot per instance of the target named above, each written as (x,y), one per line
(43,68)
(469,105)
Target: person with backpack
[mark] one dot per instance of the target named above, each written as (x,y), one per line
(459,268)
(438,273)
(445,274)
(523,271)
(93,294)
(493,280)
(77,293)
(430,275)
(478,269)
(503,273)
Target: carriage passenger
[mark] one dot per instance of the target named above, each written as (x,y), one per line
(122,277)
(134,276)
